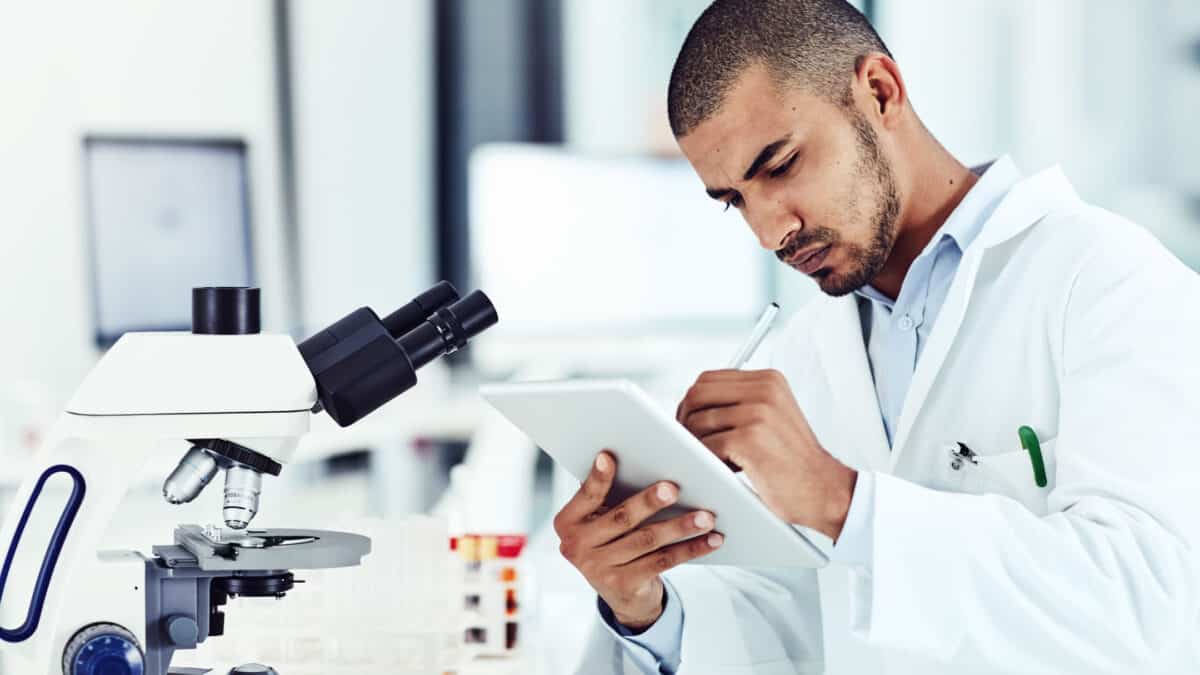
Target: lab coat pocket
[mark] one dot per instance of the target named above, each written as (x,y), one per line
(1011,474)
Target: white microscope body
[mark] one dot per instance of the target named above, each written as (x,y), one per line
(232,402)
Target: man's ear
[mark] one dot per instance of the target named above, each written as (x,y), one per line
(878,74)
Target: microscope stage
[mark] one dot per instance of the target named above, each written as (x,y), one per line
(215,549)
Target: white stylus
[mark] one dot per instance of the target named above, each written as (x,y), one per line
(756,337)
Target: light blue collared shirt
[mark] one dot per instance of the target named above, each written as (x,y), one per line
(894,333)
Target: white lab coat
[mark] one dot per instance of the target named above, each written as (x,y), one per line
(1063,317)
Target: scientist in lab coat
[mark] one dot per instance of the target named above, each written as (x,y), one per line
(959,305)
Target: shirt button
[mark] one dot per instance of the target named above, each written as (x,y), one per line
(906,322)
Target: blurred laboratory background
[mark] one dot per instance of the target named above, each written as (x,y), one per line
(350,153)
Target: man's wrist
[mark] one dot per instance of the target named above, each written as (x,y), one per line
(841,495)
(641,624)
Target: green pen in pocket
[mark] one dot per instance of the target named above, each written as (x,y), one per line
(1029,441)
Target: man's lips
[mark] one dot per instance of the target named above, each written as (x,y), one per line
(810,261)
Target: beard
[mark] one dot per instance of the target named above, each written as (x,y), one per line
(864,262)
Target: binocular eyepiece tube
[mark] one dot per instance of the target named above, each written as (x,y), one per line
(361,362)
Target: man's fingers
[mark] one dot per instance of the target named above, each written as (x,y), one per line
(653,537)
(734,375)
(709,376)
(630,513)
(591,494)
(723,444)
(713,420)
(705,395)
(676,554)
(727,375)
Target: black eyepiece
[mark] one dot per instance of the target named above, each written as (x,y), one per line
(360,362)
(448,329)
(416,312)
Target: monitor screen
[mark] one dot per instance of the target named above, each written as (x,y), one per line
(164,216)
(571,245)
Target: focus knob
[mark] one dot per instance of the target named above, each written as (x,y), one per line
(103,649)
(225,310)
(183,631)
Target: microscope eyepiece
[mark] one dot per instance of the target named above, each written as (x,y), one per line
(361,362)
(476,313)
(449,328)
(416,312)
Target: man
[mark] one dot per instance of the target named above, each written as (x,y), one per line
(962,305)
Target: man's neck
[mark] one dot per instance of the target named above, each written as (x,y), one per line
(940,183)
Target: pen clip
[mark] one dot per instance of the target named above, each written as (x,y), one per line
(961,453)
(1029,441)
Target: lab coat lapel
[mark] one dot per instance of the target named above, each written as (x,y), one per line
(1025,204)
(843,354)
(940,339)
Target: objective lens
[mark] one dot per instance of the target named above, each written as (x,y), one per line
(242,488)
(194,472)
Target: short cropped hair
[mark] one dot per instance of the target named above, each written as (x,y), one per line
(813,44)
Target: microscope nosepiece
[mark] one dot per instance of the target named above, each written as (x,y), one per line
(195,471)
(242,488)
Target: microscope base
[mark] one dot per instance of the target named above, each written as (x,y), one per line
(185,585)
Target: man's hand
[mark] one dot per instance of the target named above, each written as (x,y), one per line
(751,421)
(618,557)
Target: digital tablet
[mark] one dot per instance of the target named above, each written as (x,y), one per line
(573,420)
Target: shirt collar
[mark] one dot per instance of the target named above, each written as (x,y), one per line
(967,219)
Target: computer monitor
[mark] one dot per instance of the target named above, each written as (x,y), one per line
(163,215)
(608,251)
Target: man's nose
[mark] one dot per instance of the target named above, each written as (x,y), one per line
(772,223)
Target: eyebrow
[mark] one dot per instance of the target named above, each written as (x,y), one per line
(764,156)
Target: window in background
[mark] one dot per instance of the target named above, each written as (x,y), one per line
(498,80)
(609,249)
(617,59)
(164,216)
(1107,89)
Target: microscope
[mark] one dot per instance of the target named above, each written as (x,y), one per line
(232,400)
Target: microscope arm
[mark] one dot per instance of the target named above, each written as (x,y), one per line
(99,477)
(46,571)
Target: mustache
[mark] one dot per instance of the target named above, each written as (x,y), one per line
(798,240)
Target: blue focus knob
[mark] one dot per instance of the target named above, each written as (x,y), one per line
(103,649)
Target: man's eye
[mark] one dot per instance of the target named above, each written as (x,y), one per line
(735,201)
(783,169)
